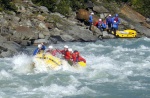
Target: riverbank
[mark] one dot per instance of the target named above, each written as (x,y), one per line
(32,24)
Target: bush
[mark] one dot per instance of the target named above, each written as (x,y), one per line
(7,5)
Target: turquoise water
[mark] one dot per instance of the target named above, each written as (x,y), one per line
(117,68)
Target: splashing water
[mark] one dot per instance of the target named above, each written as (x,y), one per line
(22,63)
(117,68)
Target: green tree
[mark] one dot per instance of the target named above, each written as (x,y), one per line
(7,5)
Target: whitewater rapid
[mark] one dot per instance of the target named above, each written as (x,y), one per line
(117,68)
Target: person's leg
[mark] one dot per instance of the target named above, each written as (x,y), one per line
(115,31)
(90,26)
(109,28)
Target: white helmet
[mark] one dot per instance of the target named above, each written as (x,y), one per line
(92,13)
(39,46)
(70,50)
(114,21)
(109,14)
(65,46)
(50,47)
(100,19)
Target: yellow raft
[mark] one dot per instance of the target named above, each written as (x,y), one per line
(51,61)
(126,34)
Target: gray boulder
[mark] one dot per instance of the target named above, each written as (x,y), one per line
(142,29)
(44,9)
(81,34)
(107,36)
(9,48)
(38,41)
(24,33)
(100,9)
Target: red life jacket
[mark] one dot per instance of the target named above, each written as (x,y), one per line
(67,55)
(116,19)
(74,57)
(63,52)
(81,59)
(96,23)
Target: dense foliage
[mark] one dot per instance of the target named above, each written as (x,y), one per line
(142,6)
(7,5)
(66,6)
(62,6)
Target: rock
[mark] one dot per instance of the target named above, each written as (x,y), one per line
(53,40)
(100,9)
(107,36)
(102,16)
(131,14)
(148,20)
(123,21)
(142,29)
(16,19)
(2,39)
(41,18)
(44,9)
(83,14)
(96,31)
(6,53)
(67,38)
(28,23)
(46,33)
(56,32)
(9,48)
(41,41)
(49,25)
(41,36)
(42,26)
(81,34)
(24,33)
(89,4)
(25,43)
(21,9)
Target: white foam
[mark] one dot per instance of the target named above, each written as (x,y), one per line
(22,63)
(5,75)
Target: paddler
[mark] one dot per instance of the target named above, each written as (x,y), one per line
(52,51)
(77,57)
(68,56)
(63,52)
(38,49)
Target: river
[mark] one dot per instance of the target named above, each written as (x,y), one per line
(116,68)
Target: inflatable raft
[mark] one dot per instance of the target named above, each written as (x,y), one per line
(126,34)
(52,62)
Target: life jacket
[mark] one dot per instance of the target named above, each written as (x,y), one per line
(52,52)
(74,57)
(90,18)
(96,24)
(81,59)
(109,20)
(103,25)
(115,25)
(116,19)
(37,51)
(63,52)
(99,24)
(67,55)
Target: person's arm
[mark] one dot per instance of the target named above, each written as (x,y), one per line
(35,51)
(43,47)
(82,59)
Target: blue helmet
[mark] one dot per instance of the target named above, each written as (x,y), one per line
(116,15)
